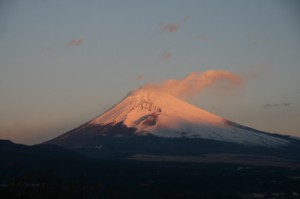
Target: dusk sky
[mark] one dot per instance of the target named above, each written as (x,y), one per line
(64,62)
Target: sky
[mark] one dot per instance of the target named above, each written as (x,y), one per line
(64,62)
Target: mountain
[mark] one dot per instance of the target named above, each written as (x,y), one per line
(20,161)
(42,154)
(148,120)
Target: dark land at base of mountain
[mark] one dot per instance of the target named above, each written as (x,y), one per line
(43,171)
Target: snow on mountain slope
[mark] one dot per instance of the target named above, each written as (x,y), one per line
(151,111)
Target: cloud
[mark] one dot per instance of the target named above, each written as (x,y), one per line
(75,42)
(174,26)
(277,105)
(171,27)
(47,50)
(196,82)
(139,77)
(288,104)
(273,105)
(166,55)
(203,37)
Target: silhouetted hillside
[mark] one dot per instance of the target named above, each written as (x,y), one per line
(54,172)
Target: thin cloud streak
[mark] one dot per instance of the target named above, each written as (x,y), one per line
(75,42)
(47,50)
(174,26)
(276,105)
(139,78)
(203,37)
(166,55)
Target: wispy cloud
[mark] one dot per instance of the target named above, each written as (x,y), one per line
(47,50)
(166,55)
(203,37)
(287,104)
(139,77)
(173,26)
(277,105)
(70,43)
(75,42)
(196,82)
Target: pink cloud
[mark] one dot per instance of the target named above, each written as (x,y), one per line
(171,27)
(139,77)
(75,42)
(166,55)
(174,26)
(196,82)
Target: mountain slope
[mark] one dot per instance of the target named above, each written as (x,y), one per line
(10,151)
(147,111)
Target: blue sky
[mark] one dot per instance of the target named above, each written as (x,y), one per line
(65,62)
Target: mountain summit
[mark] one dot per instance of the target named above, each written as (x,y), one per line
(150,112)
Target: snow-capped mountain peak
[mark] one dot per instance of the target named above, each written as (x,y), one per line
(151,111)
